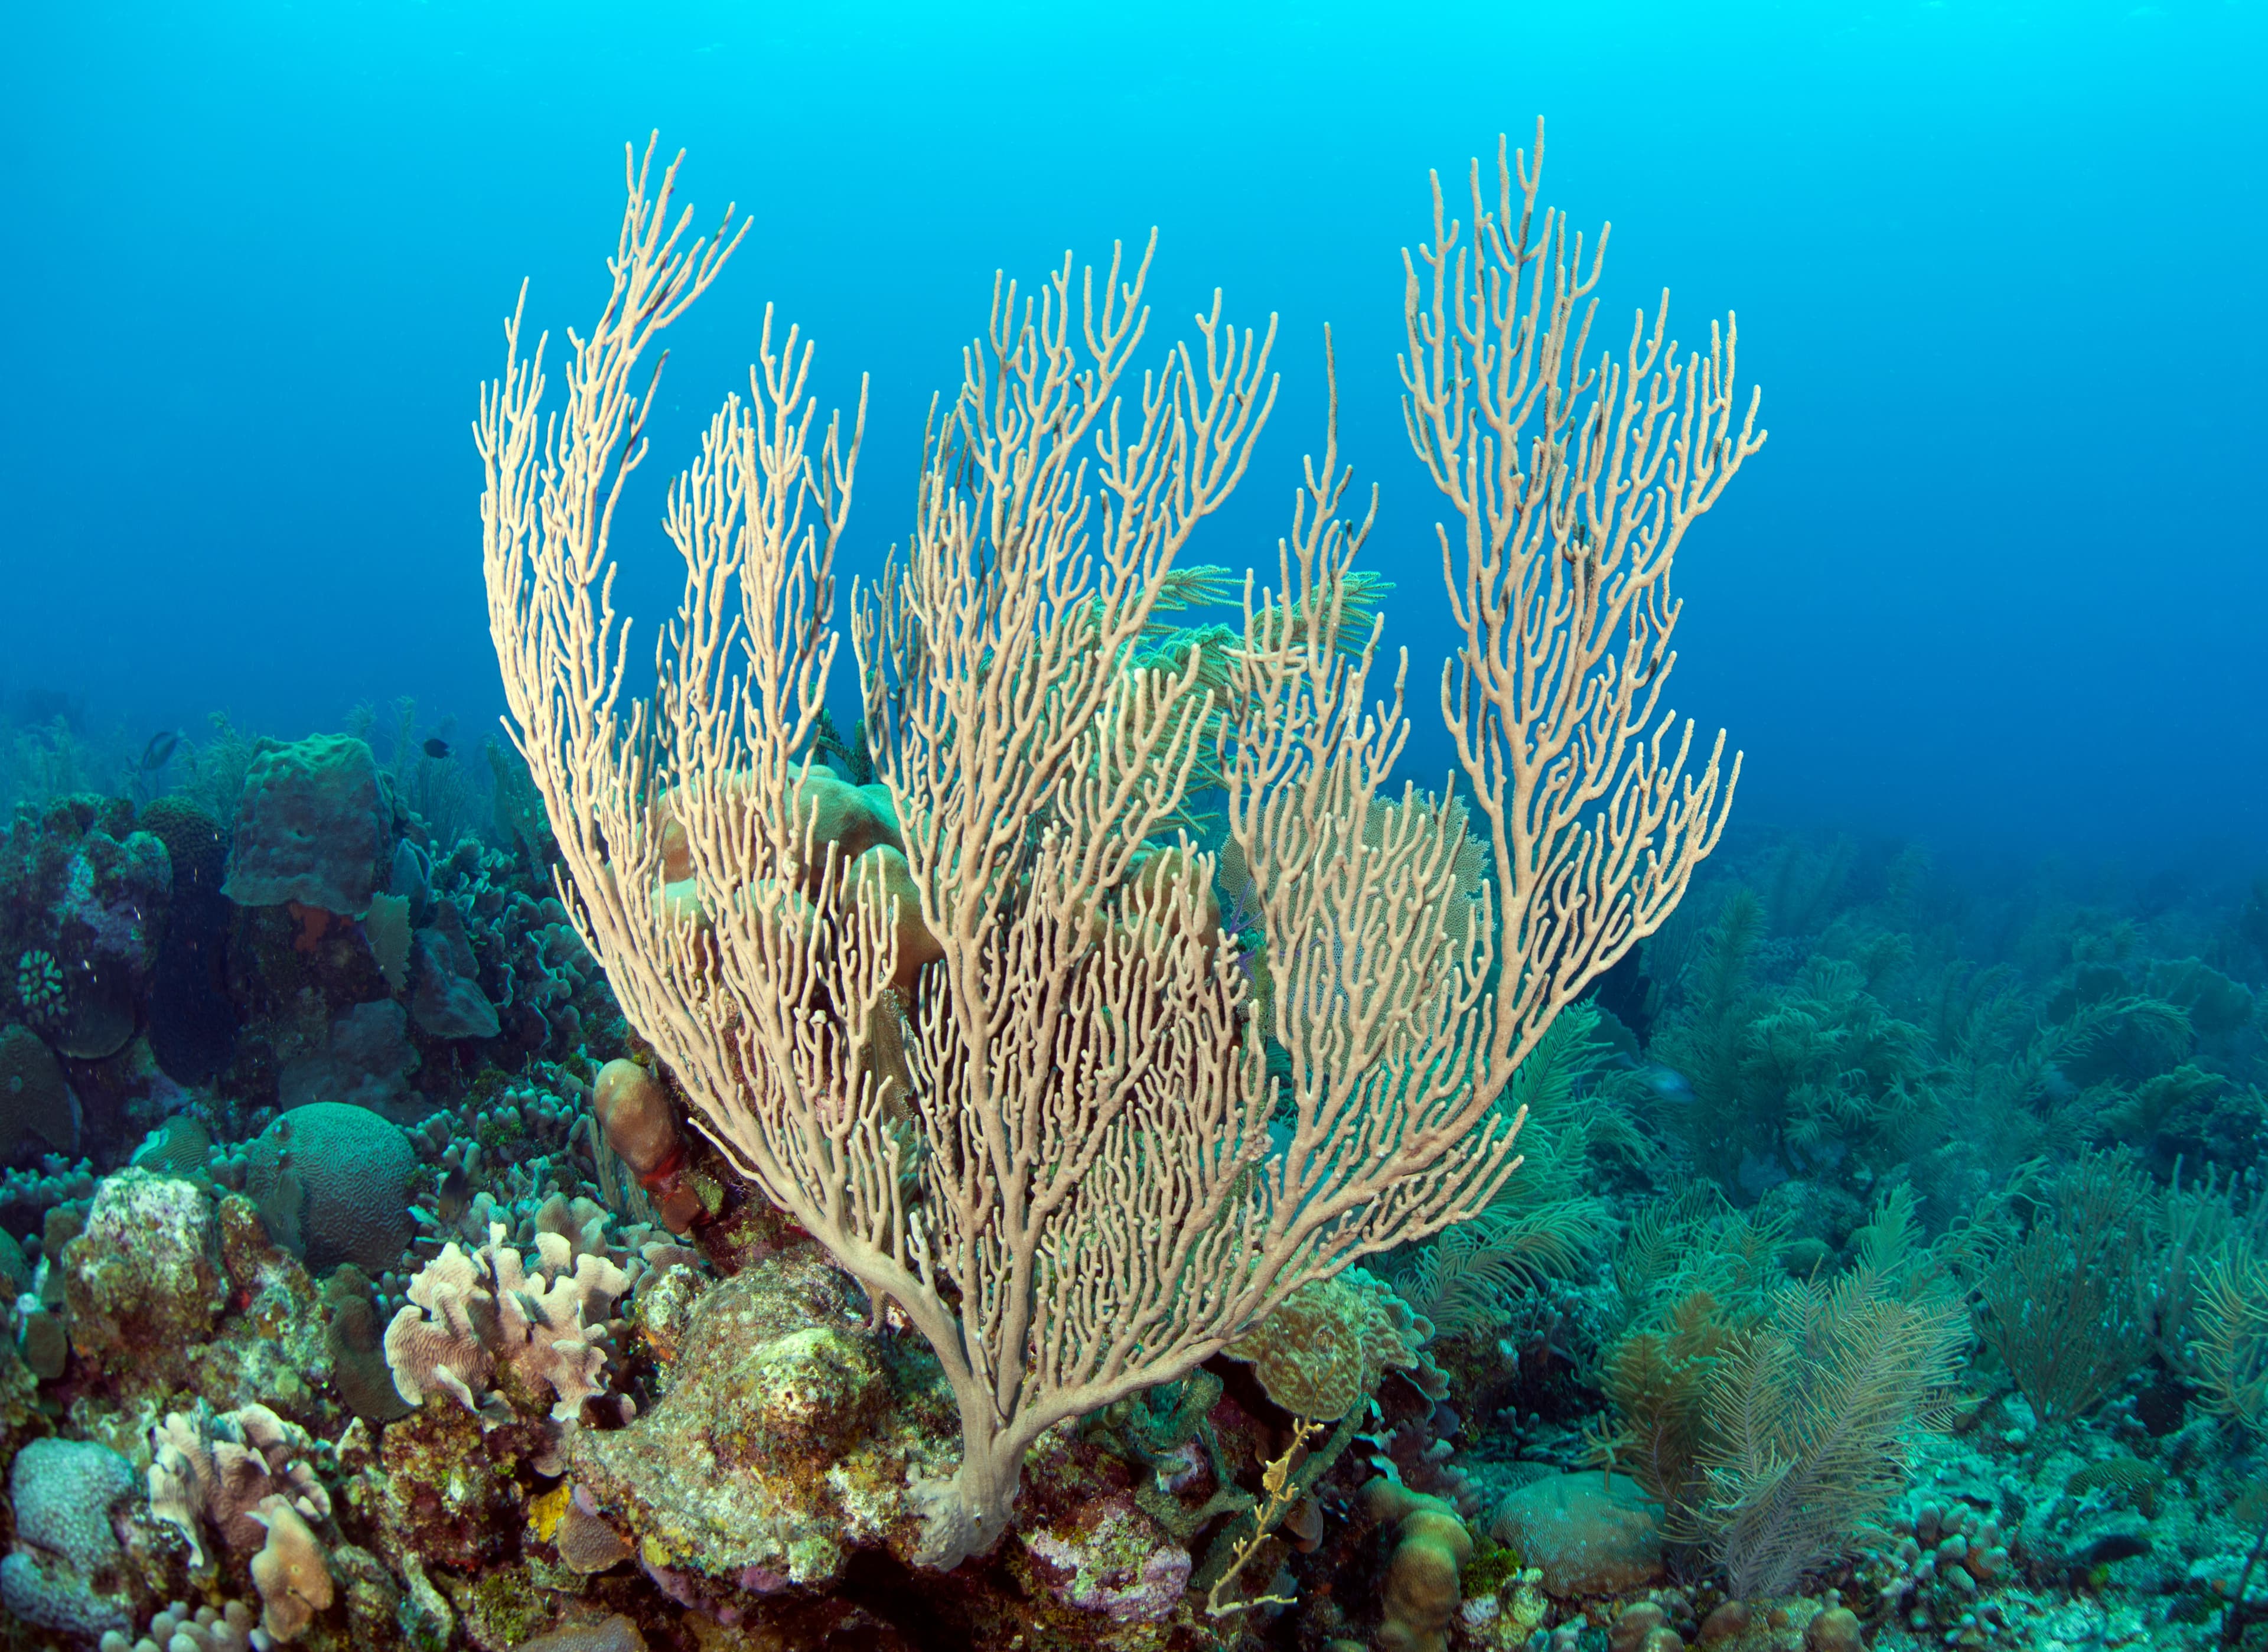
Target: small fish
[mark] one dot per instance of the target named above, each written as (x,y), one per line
(1668,1083)
(159,751)
(450,1200)
(437,748)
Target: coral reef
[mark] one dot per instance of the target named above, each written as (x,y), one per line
(1887,1269)
(622,1392)
(80,886)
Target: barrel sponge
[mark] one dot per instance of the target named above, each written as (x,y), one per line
(311,826)
(67,1556)
(340,1185)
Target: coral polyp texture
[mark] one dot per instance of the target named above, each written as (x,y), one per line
(1070,1144)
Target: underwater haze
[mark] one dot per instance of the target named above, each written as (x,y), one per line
(1996,582)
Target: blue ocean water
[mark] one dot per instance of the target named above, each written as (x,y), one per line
(1997,580)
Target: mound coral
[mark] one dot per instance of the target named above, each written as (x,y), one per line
(1429,1546)
(66,1572)
(332,1180)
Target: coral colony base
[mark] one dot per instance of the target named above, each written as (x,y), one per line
(1040,1170)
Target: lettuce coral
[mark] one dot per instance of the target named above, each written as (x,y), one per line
(473,1319)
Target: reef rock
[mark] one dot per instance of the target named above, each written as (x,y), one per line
(144,1276)
(365,1059)
(445,998)
(1588,1534)
(311,826)
(1113,1560)
(783,1443)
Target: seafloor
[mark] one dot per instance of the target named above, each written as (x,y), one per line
(1890,1269)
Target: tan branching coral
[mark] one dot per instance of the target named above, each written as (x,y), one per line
(1071,1187)
(473,1318)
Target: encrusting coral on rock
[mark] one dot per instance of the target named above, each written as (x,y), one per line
(142,1276)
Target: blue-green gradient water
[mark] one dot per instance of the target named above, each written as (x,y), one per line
(1998,580)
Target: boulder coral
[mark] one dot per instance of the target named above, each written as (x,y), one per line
(1589,1534)
(1330,1344)
(332,1180)
(1429,1546)
(66,1573)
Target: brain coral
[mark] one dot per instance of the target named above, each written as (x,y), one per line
(64,1573)
(311,826)
(333,1180)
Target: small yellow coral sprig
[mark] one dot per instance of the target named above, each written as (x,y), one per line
(1281,1493)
